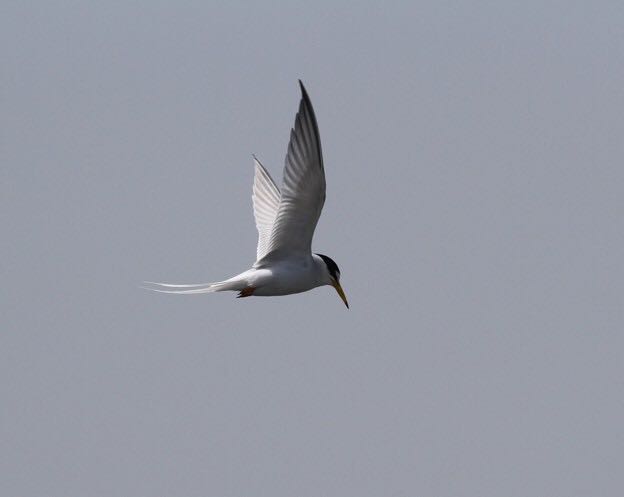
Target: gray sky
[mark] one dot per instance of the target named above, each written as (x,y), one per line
(474,163)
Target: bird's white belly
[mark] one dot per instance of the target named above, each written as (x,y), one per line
(284,279)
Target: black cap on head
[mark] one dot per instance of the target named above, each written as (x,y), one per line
(331,266)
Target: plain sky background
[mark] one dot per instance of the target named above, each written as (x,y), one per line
(474,156)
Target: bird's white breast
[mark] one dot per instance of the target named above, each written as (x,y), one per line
(286,277)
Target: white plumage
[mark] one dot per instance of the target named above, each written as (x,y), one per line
(266,200)
(285,221)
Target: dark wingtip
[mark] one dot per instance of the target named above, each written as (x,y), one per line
(304,92)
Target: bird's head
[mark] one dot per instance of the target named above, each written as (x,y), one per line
(333,276)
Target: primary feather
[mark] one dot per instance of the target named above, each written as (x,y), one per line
(266,199)
(303,188)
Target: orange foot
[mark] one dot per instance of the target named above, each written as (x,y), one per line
(246,292)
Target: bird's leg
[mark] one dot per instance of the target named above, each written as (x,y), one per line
(246,292)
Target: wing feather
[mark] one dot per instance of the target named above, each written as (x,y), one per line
(266,199)
(303,187)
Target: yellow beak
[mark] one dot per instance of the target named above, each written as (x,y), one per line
(340,291)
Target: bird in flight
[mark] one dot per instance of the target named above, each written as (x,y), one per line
(285,220)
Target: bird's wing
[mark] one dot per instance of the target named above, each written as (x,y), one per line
(266,199)
(303,187)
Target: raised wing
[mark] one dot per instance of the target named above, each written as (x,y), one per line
(303,187)
(266,199)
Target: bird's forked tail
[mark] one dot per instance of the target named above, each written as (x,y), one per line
(219,286)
